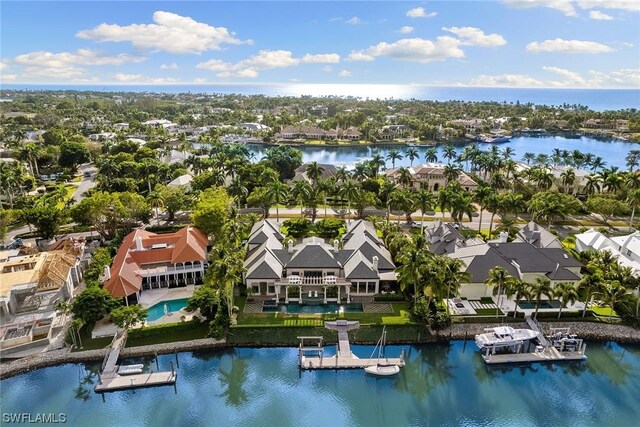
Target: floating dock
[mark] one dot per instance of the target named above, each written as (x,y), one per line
(110,380)
(344,358)
(552,348)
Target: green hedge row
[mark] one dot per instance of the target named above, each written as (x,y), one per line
(388,297)
(168,328)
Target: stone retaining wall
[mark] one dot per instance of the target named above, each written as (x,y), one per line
(586,330)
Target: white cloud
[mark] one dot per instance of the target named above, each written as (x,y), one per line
(8,77)
(353,21)
(568,46)
(264,60)
(139,78)
(2,65)
(172,66)
(564,6)
(406,30)
(54,72)
(623,78)
(471,36)
(600,16)
(345,73)
(416,49)
(628,5)
(327,58)
(79,57)
(199,80)
(170,33)
(509,80)
(419,12)
(570,76)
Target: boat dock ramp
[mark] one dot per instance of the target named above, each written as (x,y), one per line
(114,377)
(344,358)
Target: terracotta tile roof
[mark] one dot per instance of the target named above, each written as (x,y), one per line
(186,244)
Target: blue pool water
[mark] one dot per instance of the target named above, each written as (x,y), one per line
(322,308)
(445,384)
(543,304)
(157,311)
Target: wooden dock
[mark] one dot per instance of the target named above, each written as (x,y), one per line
(344,358)
(110,380)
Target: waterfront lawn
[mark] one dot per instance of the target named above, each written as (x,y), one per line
(602,311)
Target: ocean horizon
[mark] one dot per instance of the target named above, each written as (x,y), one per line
(595,99)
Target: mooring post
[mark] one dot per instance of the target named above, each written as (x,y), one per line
(157,362)
(172,370)
(176,354)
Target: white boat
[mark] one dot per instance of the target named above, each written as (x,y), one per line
(504,336)
(381,369)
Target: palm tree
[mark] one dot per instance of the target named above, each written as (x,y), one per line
(277,192)
(326,186)
(377,162)
(412,261)
(614,293)
(238,189)
(568,178)
(508,152)
(542,286)
(156,201)
(30,153)
(480,196)
(499,278)
(593,184)
(404,176)
(519,290)
(393,156)
(349,191)
(314,172)
(449,153)
(633,198)
(451,277)
(528,157)
(565,292)
(425,201)
(451,173)
(431,155)
(412,154)
(300,190)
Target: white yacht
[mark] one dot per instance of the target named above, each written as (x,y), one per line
(504,336)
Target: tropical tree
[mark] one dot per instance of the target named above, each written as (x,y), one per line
(449,152)
(425,201)
(565,292)
(156,201)
(499,279)
(314,172)
(411,272)
(393,156)
(431,155)
(412,154)
(541,286)
(449,278)
(633,199)
(480,196)
(614,293)
(278,193)
(128,316)
(568,178)
(349,191)
(300,191)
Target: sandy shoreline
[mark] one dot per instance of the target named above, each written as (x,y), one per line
(586,330)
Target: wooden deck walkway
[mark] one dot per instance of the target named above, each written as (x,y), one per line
(110,380)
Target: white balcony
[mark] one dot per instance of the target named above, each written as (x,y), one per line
(166,270)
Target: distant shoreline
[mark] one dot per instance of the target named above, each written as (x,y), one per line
(588,331)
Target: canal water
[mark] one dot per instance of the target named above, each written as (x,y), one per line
(442,384)
(612,151)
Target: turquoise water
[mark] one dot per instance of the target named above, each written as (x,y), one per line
(321,308)
(612,151)
(441,385)
(543,304)
(157,311)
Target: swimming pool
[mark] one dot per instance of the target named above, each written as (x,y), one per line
(156,311)
(543,304)
(305,308)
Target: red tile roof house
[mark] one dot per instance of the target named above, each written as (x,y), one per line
(148,261)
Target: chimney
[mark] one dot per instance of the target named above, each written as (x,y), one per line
(503,237)
(139,243)
(336,246)
(290,246)
(375,263)
(107,272)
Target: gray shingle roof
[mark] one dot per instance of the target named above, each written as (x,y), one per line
(313,256)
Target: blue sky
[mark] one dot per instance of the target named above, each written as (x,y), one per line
(511,43)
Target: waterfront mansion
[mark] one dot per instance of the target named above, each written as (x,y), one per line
(535,252)
(312,270)
(147,261)
(431,177)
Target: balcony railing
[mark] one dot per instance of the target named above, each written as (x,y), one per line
(317,281)
(156,271)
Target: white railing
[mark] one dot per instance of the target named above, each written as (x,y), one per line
(146,272)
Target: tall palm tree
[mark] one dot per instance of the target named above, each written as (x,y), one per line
(30,153)
(519,290)
(325,186)
(500,279)
(314,172)
(568,179)
(614,293)
(412,154)
(404,176)
(480,196)
(451,277)
(633,198)
(528,157)
(393,156)
(593,184)
(301,191)
(238,189)
(278,193)
(377,162)
(413,260)
(542,286)
(349,191)
(425,201)
(565,292)
(156,201)
(431,155)
(449,152)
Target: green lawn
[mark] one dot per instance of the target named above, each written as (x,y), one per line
(603,311)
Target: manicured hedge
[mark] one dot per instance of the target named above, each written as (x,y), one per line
(388,298)
(169,328)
